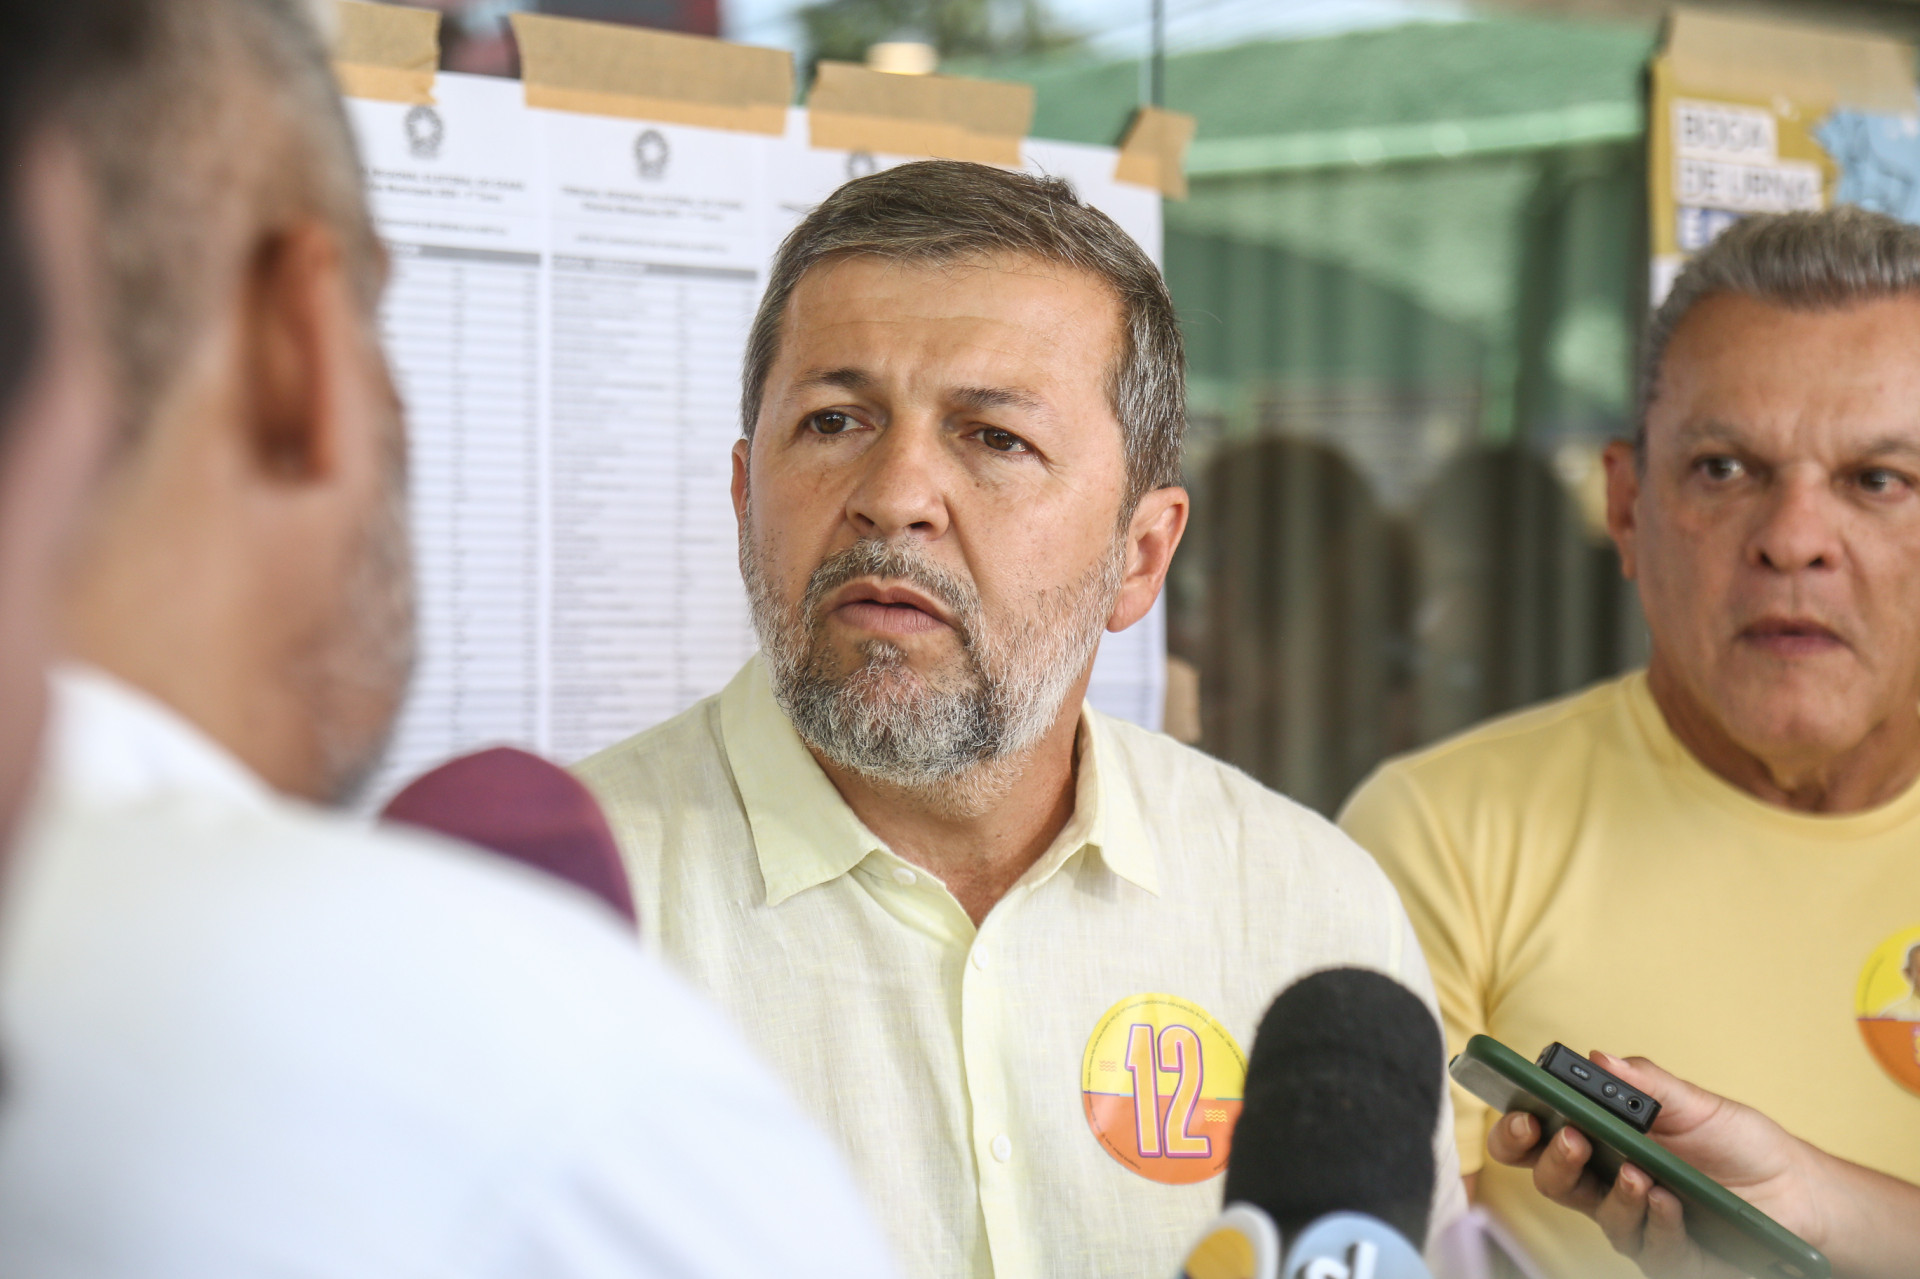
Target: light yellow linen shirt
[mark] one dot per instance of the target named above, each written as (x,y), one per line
(948,1060)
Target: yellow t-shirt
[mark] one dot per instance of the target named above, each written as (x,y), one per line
(1574,874)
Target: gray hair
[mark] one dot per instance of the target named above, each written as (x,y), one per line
(1803,261)
(228,126)
(944,211)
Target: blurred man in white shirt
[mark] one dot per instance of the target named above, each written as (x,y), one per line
(247,1036)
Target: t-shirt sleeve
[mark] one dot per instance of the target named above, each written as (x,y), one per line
(1449,1195)
(1390,818)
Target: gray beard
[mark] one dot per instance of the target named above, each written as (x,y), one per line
(948,735)
(354,672)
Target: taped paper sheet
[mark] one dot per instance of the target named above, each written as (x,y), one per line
(947,117)
(1749,117)
(601,69)
(567,321)
(385,51)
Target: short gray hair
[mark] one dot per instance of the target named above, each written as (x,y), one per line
(943,211)
(1803,261)
(228,124)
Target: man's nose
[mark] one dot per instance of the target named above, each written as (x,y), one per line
(900,488)
(1800,526)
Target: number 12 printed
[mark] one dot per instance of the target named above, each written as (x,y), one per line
(1177,1053)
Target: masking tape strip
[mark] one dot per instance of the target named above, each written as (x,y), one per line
(602,69)
(949,117)
(386,51)
(387,84)
(1714,53)
(1154,152)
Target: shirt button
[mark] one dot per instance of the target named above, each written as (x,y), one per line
(902,876)
(980,957)
(1003,1148)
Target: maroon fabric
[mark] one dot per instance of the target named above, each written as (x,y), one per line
(522,807)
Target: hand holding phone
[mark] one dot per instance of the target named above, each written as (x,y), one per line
(1670,1216)
(1643,1222)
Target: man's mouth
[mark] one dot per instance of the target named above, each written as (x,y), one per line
(1791,637)
(892,609)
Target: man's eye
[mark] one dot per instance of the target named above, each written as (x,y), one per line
(1720,469)
(829,423)
(1002,441)
(1880,482)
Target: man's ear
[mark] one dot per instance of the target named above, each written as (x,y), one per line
(1153,535)
(300,320)
(742,455)
(1623,490)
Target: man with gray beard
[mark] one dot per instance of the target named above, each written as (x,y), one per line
(1007,948)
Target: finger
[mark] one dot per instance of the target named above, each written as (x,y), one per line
(1622,1214)
(1561,1173)
(1515,1140)
(1665,1248)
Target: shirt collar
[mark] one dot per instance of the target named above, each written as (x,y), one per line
(805,834)
(111,744)
(1115,828)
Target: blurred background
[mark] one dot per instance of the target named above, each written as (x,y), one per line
(1410,269)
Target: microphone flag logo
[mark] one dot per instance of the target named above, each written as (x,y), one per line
(1241,1243)
(1352,1245)
(1161,1084)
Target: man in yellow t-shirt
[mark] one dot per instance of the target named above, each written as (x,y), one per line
(1713,861)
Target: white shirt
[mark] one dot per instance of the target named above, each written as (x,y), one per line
(244,1038)
(960,1067)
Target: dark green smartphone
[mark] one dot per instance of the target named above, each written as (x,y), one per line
(1717,1219)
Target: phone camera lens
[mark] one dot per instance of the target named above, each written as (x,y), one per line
(1610,1090)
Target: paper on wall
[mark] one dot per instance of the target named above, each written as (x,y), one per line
(1764,117)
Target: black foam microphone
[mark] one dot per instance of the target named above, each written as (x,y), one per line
(1342,1097)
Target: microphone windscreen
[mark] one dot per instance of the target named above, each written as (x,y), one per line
(525,808)
(1342,1097)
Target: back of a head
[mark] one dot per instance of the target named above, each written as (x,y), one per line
(54,409)
(228,122)
(44,48)
(936,212)
(1342,1096)
(1838,257)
